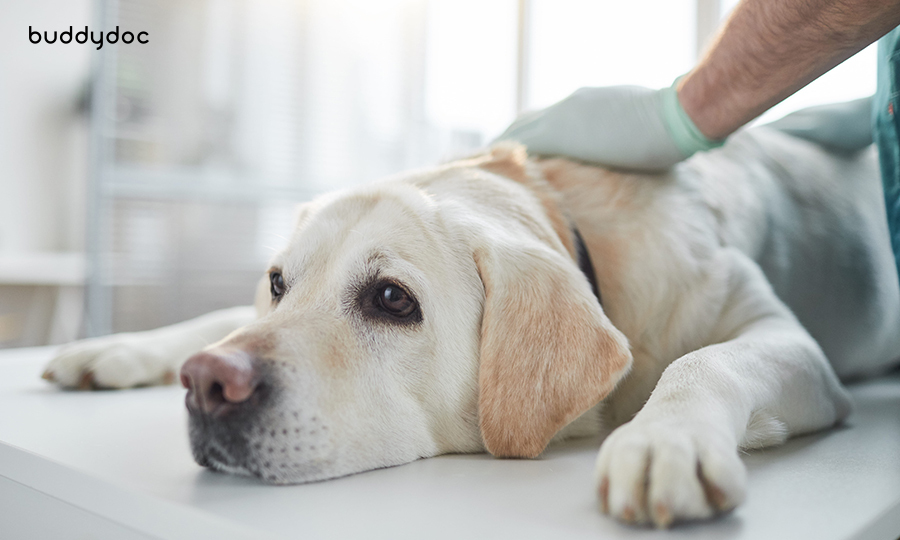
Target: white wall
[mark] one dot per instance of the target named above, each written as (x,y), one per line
(43,163)
(43,142)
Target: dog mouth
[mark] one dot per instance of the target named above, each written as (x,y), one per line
(274,461)
(218,458)
(221,441)
(270,439)
(219,447)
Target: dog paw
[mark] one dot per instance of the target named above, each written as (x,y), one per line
(118,361)
(663,472)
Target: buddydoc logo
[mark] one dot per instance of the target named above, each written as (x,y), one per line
(82,36)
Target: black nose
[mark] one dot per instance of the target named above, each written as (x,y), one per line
(218,381)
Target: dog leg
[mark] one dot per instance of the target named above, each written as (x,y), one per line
(763,380)
(141,358)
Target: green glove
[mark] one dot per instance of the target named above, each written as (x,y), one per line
(841,127)
(628,127)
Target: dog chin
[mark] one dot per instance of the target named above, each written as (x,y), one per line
(271,464)
(271,470)
(285,475)
(216,458)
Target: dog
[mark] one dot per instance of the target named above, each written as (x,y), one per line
(501,302)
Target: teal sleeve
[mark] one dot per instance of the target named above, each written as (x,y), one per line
(885,130)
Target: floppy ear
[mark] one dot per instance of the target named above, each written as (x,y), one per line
(548,352)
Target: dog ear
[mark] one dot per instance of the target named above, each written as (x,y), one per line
(548,352)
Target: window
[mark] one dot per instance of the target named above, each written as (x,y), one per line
(577,43)
(203,142)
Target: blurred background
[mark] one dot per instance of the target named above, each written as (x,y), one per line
(142,185)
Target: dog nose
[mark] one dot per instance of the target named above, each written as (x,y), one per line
(217,381)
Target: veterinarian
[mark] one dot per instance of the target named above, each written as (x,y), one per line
(766,51)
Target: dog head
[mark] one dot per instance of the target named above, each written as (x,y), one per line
(438,312)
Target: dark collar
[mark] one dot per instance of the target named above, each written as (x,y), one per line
(585,264)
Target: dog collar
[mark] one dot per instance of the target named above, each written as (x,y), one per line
(585,264)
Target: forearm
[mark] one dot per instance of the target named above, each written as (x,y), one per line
(769,49)
(760,387)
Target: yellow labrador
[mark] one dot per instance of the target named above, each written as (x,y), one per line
(456,310)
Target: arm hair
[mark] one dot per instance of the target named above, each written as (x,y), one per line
(769,49)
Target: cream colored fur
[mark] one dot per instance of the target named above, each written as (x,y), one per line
(713,278)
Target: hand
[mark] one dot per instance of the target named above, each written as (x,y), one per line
(620,126)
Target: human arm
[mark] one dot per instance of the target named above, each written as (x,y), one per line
(767,50)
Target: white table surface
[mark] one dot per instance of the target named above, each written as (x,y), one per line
(116,464)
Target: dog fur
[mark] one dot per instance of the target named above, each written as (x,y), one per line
(736,288)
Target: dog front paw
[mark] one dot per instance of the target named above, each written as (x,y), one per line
(663,472)
(117,361)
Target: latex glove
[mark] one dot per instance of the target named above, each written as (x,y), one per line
(629,127)
(843,127)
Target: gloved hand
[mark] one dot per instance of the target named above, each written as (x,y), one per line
(842,127)
(620,126)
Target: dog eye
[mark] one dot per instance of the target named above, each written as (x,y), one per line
(276,285)
(394,300)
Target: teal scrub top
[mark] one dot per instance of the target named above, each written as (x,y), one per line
(886,130)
